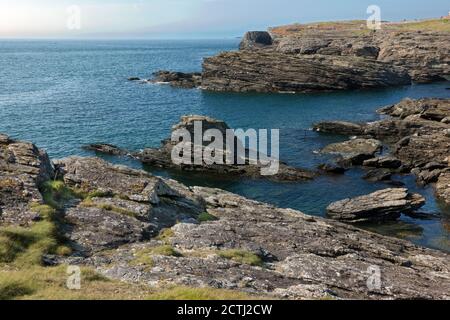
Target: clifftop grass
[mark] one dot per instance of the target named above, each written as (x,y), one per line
(360,26)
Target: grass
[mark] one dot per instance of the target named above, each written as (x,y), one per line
(26,246)
(108,207)
(165,235)
(205,217)
(442,25)
(50,283)
(144,257)
(241,256)
(188,293)
(358,27)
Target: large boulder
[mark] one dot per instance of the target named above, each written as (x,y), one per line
(355,151)
(255,39)
(387,204)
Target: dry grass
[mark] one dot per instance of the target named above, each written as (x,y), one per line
(188,293)
(50,283)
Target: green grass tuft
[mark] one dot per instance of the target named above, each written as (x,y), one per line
(205,217)
(108,207)
(165,235)
(144,257)
(241,256)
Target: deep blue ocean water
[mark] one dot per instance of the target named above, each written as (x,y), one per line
(63,94)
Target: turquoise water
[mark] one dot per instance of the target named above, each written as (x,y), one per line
(63,94)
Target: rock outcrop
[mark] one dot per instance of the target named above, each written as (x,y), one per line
(121,205)
(177,79)
(304,58)
(162,157)
(216,238)
(387,204)
(418,136)
(23,170)
(355,151)
(256,39)
(265,71)
(294,256)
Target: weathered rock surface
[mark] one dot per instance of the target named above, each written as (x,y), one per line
(443,187)
(265,71)
(355,151)
(297,256)
(340,127)
(126,205)
(303,257)
(162,157)
(23,169)
(381,205)
(417,134)
(255,39)
(305,58)
(178,79)
(383,162)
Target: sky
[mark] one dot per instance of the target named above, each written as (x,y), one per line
(188,18)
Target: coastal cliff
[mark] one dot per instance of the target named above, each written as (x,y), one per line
(326,57)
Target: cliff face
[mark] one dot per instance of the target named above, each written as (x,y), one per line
(330,57)
(272,71)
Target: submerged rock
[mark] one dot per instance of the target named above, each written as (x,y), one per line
(387,204)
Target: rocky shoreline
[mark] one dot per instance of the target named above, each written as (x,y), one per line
(141,229)
(417,133)
(315,58)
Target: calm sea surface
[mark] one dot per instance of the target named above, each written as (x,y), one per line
(63,94)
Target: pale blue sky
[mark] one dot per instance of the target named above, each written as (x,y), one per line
(191,18)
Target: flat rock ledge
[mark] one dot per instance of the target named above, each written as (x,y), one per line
(382,205)
(213,238)
(162,157)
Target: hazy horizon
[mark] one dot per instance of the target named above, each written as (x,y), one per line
(186,19)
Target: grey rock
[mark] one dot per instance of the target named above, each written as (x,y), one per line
(264,71)
(162,157)
(376,175)
(255,39)
(383,162)
(340,127)
(355,151)
(178,79)
(387,204)
(23,170)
